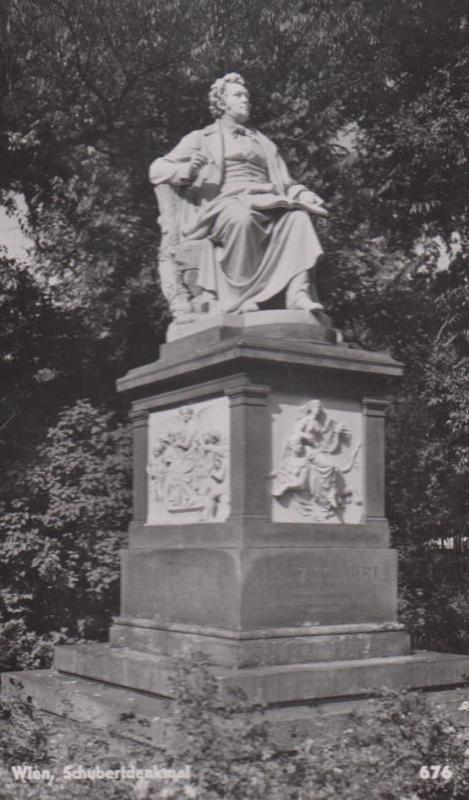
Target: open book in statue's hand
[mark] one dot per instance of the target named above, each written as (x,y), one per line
(268,201)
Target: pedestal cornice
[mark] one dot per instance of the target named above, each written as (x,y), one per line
(220,352)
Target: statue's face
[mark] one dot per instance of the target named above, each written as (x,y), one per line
(236,99)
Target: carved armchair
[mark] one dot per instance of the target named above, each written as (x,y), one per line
(178,261)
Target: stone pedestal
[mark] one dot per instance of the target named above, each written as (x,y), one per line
(259,534)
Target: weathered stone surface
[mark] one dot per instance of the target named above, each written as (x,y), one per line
(255,532)
(145,719)
(291,683)
(219,352)
(119,666)
(318,586)
(127,714)
(310,327)
(148,719)
(198,587)
(268,650)
(301,682)
(260,587)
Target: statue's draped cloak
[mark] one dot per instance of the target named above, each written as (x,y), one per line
(253,243)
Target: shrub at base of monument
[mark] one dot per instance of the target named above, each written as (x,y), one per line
(436,622)
(61,540)
(399,750)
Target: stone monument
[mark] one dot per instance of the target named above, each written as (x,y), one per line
(259,534)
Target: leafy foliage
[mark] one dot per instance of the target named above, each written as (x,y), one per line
(23,737)
(59,544)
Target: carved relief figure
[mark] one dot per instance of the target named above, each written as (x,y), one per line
(244,229)
(311,473)
(188,467)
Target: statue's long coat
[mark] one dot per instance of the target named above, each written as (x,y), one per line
(202,203)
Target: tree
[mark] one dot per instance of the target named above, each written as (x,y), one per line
(48,358)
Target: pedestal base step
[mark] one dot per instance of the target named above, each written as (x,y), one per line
(264,648)
(128,714)
(290,683)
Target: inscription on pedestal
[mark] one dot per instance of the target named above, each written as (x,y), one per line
(317,461)
(319,586)
(188,464)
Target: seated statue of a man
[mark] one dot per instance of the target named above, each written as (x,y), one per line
(258,239)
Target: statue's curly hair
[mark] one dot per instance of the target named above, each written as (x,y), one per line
(217,91)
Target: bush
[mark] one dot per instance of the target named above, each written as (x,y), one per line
(383,754)
(437,620)
(378,756)
(59,544)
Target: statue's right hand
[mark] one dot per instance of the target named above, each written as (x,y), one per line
(196,163)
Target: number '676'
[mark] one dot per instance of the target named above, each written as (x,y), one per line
(435,771)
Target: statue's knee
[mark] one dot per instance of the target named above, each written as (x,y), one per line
(235,217)
(241,217)
(298,222)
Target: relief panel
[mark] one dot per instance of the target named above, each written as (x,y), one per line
(189,464)
(317,473)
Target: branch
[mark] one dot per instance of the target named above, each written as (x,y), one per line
(176,59)
(8,420)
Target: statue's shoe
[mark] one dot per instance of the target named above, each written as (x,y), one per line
(248,306)
(303,302)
